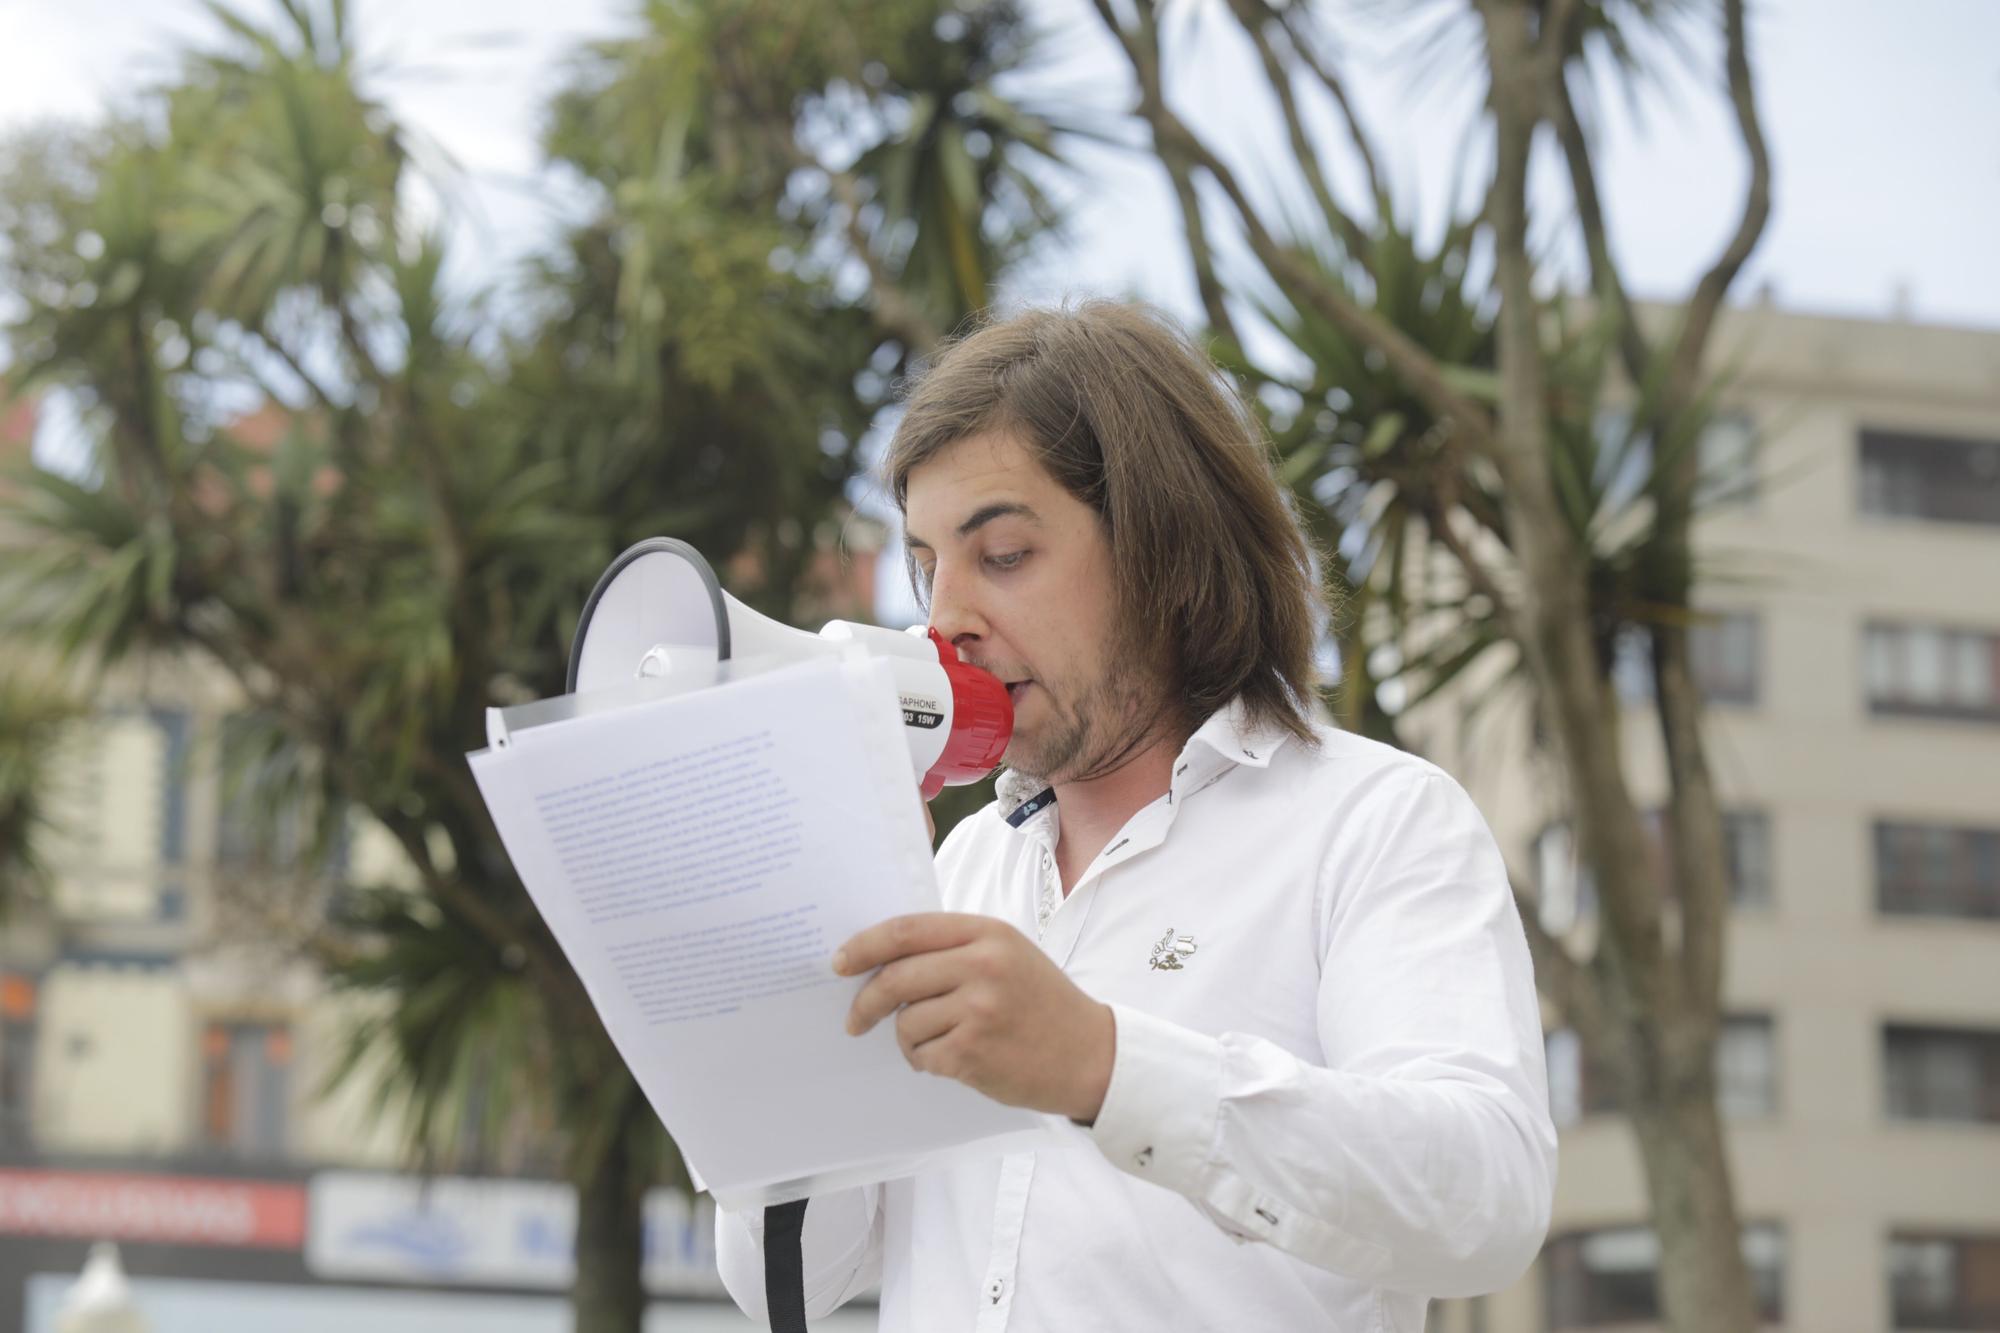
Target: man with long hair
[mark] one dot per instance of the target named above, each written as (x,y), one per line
(1270,972)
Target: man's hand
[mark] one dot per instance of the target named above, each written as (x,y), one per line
(975,1000)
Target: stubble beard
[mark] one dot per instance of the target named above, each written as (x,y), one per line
(1099,728)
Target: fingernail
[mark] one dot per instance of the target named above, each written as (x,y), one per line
(840,961)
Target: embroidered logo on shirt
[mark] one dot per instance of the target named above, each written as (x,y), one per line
(1167,954)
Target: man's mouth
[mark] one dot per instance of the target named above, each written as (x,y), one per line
(1017,688)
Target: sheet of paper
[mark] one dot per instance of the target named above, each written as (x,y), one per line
(699,858)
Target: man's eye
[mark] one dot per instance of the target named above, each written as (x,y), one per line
(1011,560)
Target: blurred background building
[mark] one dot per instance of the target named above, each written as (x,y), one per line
(1853,661)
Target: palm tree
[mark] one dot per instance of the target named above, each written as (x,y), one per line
(311,471)
(33,716)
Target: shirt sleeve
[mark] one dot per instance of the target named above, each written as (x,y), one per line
(1420,1156)
(840,1248)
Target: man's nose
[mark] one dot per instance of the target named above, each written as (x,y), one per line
(955,613)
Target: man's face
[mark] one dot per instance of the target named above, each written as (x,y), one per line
(1021,582)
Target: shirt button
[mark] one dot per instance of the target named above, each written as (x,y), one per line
(1144,1157)
(994,1290)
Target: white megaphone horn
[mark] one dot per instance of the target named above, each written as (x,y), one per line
(659,607)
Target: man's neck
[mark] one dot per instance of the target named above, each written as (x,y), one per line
(1094,809)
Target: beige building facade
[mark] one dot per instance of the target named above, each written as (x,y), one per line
(1853,668)
(145,1015)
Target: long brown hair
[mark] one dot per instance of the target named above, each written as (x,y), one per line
(1138,423)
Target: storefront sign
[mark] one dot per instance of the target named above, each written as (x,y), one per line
(168,1210)
(495,1233)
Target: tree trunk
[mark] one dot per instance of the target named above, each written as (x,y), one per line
(609,1295)
(1704,1283)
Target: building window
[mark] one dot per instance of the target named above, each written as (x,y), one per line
(1937,870)
(1936,1073)
(1932,671)
(1746,1073)
(1725,654)
(1632,666)
(1605,1277)
(259,833)
(1725,474)
(251,837)
(1944,1282)
(1578,1086)
(171,903)
(174,726)
(1746,847)
(240,841)
(246,1088)
(1930,477)
(1729,447)
(17,1060)
(1746,854)
(1746,1067)
(1568,890)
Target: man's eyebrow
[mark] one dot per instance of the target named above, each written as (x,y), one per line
(980,518)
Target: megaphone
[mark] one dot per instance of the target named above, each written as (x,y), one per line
(659,608)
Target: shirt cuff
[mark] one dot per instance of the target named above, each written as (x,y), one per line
(1159,1112)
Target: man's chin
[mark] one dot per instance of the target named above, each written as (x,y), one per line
(1021,759)
(1030,760)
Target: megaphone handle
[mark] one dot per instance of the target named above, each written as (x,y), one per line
(784,1266)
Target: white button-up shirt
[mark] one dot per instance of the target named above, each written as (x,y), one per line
(1328,1101)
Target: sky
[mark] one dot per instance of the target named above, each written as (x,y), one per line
(1883,120)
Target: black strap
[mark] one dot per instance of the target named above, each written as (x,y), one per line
(784,1266)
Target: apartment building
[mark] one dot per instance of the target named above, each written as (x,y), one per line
(1852,665)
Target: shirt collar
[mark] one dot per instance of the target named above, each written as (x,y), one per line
(1233,736)
(1228,738)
